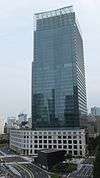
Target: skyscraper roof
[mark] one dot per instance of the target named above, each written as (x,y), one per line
(61,11)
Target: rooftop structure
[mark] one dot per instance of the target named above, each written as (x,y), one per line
(48,158)
(57,12)
(95,111)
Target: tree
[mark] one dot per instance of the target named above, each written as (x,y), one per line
(97,161)
(55,176)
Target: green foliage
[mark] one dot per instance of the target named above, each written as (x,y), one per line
(2,145)
(64,168)
(97,161)
(71,167)
(55,176)
(91,146)
(69,156)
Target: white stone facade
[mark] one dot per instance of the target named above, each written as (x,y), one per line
(28,142)
(1,124)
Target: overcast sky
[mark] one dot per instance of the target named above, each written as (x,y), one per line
(16,47)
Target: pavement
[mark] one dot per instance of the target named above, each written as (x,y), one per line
(13,159)
(6,151)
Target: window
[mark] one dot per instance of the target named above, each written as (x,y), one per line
(30,151)
(49,132)
(70,141)
(64,137)
(59,141)
(59,137)
(40,146)
(74,137)
(35,146)
(35,132)
(59,146)
(64,141)
(50,141)
(80,152)
(35,141)
(35,151)
(45,133)
(54,141)
(74,132)
(40,137)
(54,133)
(65,147)
(64,133)
(69,133)
(49,137)
(35,136)
(59,133)
(80,142)
(50,146)
(75,146)
(80,147)
(45,137)
(70,152)
(75,152)
(75,141)
(70,146)
(40,141)
(69,137)
(55,146)
(45,146)
(45,141)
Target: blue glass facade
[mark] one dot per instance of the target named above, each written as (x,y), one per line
(58,76)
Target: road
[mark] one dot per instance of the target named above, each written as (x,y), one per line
(85,171)
(8,173)
(36,171)
(22,166)
(24,171)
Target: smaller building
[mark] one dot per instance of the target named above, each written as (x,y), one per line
(98,125)
(48,158)
(30,122)
(22,118)
(1,124)
(95,111)
(12,122)
(29,142)
(4,138)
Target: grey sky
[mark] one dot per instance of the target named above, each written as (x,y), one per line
(16,49)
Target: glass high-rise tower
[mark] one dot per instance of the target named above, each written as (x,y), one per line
(58,75)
